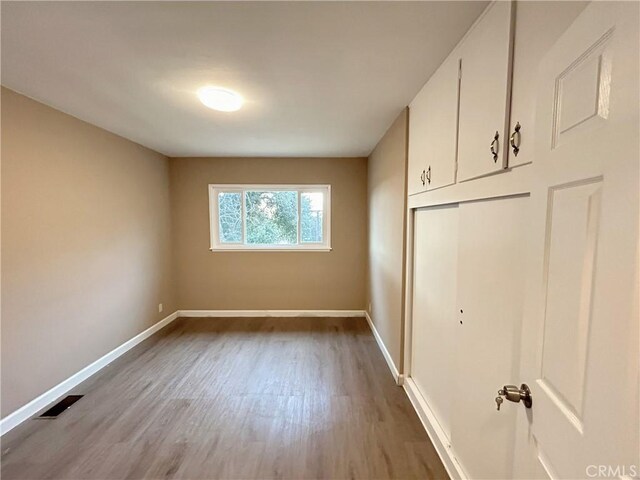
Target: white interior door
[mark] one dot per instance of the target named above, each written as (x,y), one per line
(490,297)
(580,335)
(434,300)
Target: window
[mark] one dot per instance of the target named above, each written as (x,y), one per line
(270,217)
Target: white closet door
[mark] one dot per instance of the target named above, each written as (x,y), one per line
(490,297)
(434,300)
(484,93)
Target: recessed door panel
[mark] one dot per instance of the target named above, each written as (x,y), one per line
(572,237)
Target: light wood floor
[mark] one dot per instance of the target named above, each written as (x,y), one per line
(251,398)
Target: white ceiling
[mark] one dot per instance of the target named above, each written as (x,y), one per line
(319,78)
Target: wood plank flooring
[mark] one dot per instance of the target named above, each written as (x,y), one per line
(242,398)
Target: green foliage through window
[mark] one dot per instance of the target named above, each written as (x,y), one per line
(272,218)
(230,217)
(264,217)
(311,204)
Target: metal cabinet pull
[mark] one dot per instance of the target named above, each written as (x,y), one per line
(515,139)
(422,177)
(495,146)
(429,175)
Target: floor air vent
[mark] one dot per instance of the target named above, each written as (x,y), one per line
(61,406)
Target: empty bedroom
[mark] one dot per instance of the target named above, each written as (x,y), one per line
(319,240)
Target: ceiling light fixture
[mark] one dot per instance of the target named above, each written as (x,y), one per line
(221,99)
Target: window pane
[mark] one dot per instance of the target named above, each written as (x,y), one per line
(312,205)
(272,217)
(230,217)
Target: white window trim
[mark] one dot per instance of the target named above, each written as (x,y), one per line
(216,246)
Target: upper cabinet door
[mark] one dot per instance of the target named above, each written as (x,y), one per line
(485,88)
(417,170)
(442,124)
(433,129)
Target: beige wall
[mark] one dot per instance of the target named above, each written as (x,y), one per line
(85,245)
(387,207)
(269,280)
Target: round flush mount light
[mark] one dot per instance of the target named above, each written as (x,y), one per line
(221,99)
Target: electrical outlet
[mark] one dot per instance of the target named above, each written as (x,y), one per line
(160,307)
(369,307)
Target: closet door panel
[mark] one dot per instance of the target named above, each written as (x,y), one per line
(490,297)
(485,93)
(434,301)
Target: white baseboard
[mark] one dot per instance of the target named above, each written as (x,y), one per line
(428,419)
(434,430)
(34,406)
(387,356)
(270,313)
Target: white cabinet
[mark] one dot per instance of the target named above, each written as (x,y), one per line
(459,121)
(485,93)
(462,120)
(433,129)
(434,317)
(442,124)
(416,171)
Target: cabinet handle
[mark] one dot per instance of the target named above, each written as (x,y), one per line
(429,175)
(422,177)
(495,146)
(515,139)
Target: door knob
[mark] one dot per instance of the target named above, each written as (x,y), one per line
(515,394)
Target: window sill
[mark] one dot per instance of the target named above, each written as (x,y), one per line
(267,249)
